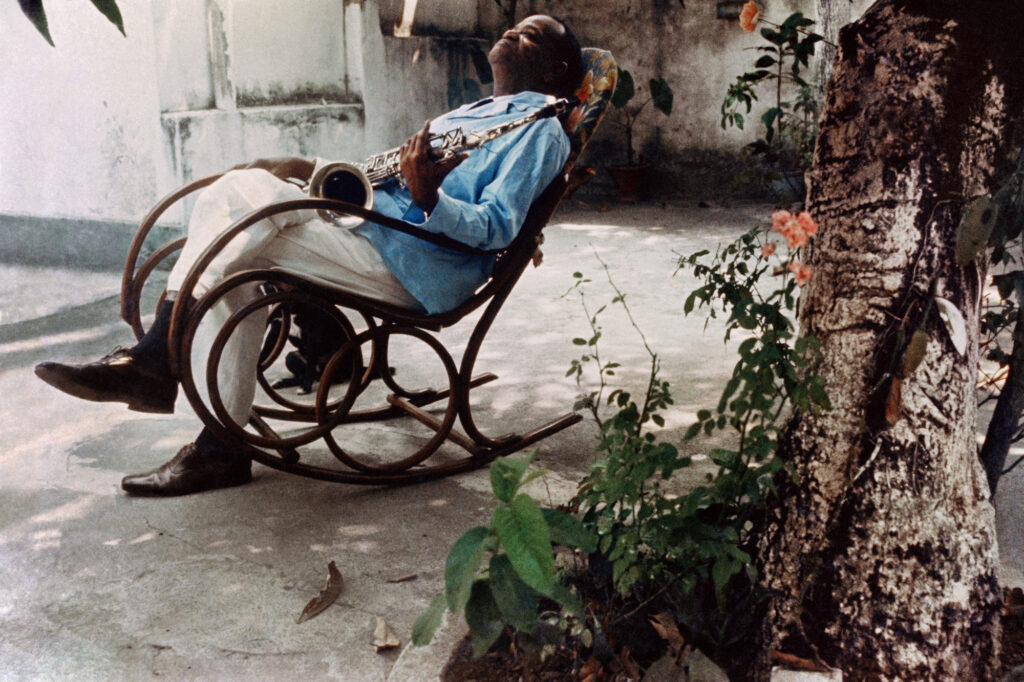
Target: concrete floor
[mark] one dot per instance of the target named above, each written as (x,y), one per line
(100,586)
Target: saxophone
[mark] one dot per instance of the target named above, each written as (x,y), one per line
(354,182)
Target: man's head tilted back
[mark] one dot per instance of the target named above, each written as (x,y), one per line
(541,54)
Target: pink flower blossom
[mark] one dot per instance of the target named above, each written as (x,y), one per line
(768,249)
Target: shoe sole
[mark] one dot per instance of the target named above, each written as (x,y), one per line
(136,402)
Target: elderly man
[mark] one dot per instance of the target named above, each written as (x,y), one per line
(480,199)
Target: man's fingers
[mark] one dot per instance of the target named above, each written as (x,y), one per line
(449,164)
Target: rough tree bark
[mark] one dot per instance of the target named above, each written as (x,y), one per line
(882,555)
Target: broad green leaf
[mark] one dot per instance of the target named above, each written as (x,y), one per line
(483,618)
(525,536)
(975,228)
(569,531)
(33,9)
(624,89)
(722,571)
(426,625)
(463,561)
(516,600)
(109,9)
(506,475)
(566,598)
(661,94)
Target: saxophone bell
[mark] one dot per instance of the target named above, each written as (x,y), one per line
(341,181)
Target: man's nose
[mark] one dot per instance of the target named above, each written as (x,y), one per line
(510,34)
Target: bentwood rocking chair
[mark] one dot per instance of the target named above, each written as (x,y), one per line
(380,326)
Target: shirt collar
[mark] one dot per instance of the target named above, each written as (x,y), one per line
(489,106)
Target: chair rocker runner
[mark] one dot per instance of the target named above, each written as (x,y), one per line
(364,357)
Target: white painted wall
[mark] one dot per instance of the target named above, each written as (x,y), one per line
(80,128)
(102,125)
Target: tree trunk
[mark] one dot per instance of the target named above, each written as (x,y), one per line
(882,555)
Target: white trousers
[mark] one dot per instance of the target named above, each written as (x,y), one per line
(298,242)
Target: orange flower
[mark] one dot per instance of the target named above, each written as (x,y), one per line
(807,223)
(749,16)
(768,249)
(801,273)
(780,218)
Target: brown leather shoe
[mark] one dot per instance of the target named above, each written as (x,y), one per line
(117,377)
(192,470)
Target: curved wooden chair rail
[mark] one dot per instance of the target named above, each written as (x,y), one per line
(323,417)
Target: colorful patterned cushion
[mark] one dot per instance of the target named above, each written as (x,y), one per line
(595,92)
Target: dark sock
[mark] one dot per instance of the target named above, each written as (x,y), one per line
(152,347)
(209,442)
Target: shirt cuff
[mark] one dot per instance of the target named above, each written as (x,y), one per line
(445,213)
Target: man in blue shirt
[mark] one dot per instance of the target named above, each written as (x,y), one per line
(479,199)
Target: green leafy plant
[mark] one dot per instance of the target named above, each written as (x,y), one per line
(659,94)
(33,9)
(789,126)
(498,575)
(698,546)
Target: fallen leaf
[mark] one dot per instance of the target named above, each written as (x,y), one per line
(590,670)
(384,637)
(665,625)
(628,665)
(326,597)
(894,402)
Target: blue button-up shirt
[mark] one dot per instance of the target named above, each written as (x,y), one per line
(482,202)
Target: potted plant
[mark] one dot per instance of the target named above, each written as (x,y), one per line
(629,178)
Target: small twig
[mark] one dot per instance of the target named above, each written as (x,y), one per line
(871,458)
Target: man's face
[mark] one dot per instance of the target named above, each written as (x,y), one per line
(530,53)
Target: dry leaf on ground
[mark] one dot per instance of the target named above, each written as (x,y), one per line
(384,637)
(326,597)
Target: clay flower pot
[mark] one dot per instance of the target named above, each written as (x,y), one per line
(629,181)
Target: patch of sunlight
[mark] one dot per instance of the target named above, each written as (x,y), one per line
(112,543)
(361,546)
(439,502)
(584,227)
(677,419)
(318,548)
(358,531)
(145,537)
(258,550)
(231,589)
(72,510)
(46,539)
(39,342)
(218,543)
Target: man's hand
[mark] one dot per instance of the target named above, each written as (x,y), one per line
(283,167)
(423,174)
